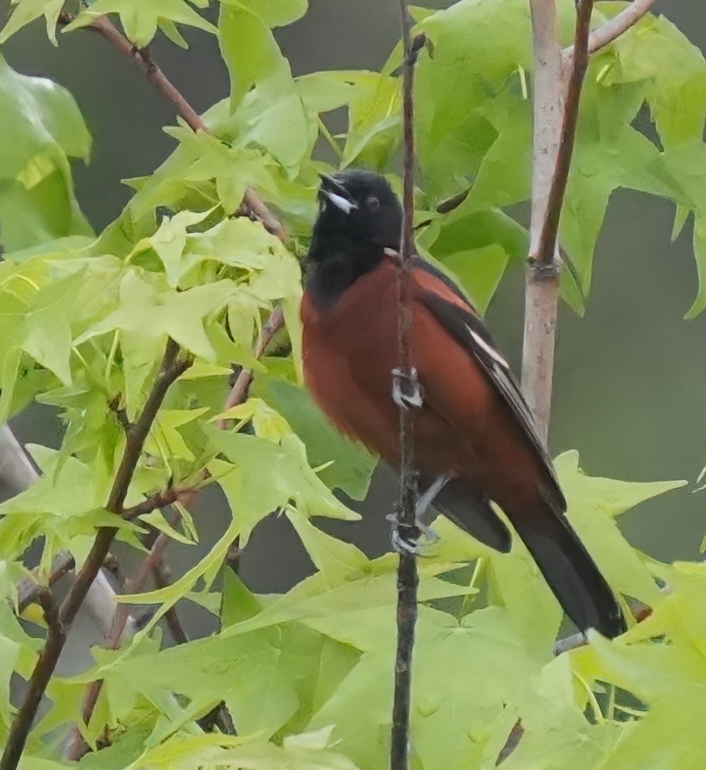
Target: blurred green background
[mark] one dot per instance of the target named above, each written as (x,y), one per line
(630,386)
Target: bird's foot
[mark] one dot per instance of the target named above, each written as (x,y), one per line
(413,539)
(407,391)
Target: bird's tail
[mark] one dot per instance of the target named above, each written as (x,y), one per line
(569,570)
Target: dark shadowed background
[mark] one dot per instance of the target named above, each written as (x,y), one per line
(630,388)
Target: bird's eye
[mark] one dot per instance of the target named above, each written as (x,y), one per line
(372,202)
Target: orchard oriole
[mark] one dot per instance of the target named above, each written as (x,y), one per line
(473,428)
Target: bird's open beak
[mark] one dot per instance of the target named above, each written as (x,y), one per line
(334,191)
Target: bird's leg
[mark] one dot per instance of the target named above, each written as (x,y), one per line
(422,520)
(424,514)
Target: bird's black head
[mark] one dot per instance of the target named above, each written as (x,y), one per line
(357,211)
(359,217)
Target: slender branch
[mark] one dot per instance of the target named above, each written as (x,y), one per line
(550,227)
(142,58)
(76,746)
(614,28)
(161,499)
(153,563)
(407,393)
(556,105)
(172,367)
(56,638)
(240,387)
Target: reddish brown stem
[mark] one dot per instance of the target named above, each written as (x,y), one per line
(142,58)
(239,391)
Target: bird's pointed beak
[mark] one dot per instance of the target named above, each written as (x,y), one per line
(336,193)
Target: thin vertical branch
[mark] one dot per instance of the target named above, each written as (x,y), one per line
(407,394)
(172,367)
(542,279)
(76,746)
(556,103)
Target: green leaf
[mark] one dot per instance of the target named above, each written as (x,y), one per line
(169,242)
(249,50)
(212,751)
(327,91)
(674,71)
(156,519)
(668,677)
(351,465)
(593,504)
(374,125)
(555,729)
(41,128)
(682,169)
(140,20)
(239,603)
(478,48)
(164,438)
(274,13)
(476,248)
(64,503)
(269,111)
(146,317)
(27,11)
(609,154)
(261,477)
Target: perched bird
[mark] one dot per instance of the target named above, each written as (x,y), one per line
(473,428)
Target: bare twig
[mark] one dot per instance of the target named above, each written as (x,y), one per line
(550,227)
(28,590)
(172,367)
(143,59)
(161,499)
(240,387)
(56,637)
(406,390)
(614,28)
(556,112)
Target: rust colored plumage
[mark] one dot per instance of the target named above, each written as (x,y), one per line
(474,425)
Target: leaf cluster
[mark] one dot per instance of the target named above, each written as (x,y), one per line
(84,320)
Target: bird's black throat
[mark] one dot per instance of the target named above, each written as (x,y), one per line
(344,263)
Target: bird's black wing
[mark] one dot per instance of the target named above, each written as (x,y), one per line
(468,328)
